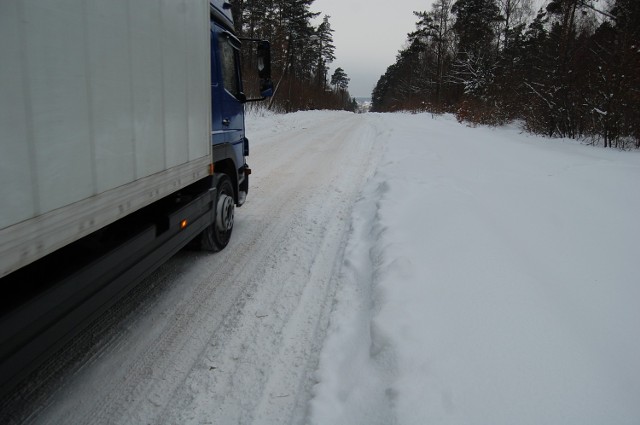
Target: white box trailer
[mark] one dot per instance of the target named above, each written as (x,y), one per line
(105,108)
(119,144)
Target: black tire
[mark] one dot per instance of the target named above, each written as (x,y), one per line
(216,237)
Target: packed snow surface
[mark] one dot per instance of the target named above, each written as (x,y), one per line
(390,269)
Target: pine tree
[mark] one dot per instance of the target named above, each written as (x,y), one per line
(339,79)
(326,51)
(614,80)
(475,27)
(442,37)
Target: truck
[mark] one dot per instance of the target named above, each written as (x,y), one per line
(122,141)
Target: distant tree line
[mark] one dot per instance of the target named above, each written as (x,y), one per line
(300,54)
(572,70)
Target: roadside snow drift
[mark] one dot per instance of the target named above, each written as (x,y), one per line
(490,278)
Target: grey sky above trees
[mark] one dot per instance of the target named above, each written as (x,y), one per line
(369,34)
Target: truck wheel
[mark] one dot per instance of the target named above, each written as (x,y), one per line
(216,237)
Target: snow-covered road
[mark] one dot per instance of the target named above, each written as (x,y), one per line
(235,337)
(386,269)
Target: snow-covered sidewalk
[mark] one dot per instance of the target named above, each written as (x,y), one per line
(490,278)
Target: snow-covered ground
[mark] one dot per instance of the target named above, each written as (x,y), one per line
(388,269)
(490,278)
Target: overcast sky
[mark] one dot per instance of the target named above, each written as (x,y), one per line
(368,34)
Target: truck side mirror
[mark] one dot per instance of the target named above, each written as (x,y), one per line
(264,68)
(263,58)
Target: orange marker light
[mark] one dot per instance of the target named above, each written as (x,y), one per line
(183,224)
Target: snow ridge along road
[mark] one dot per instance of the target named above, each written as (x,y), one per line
(234,338)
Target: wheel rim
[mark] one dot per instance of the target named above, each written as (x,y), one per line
(224,213)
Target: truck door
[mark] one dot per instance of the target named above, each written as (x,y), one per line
(226,90)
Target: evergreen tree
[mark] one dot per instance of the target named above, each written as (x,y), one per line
(475,27)
(339,79)
(326,51)
(442,37)
(613,101)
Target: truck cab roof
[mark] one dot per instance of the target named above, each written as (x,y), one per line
(221,10)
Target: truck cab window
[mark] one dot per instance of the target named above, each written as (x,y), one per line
(229,60)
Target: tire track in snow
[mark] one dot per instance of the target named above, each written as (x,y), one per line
(274,376)
(357,363)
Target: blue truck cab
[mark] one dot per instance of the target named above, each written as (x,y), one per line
(229,142)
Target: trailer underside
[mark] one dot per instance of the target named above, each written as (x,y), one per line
(48,302)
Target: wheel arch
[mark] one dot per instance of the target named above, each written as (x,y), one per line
(224,162)
(227,167)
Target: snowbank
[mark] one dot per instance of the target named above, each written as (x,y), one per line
(490,278)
